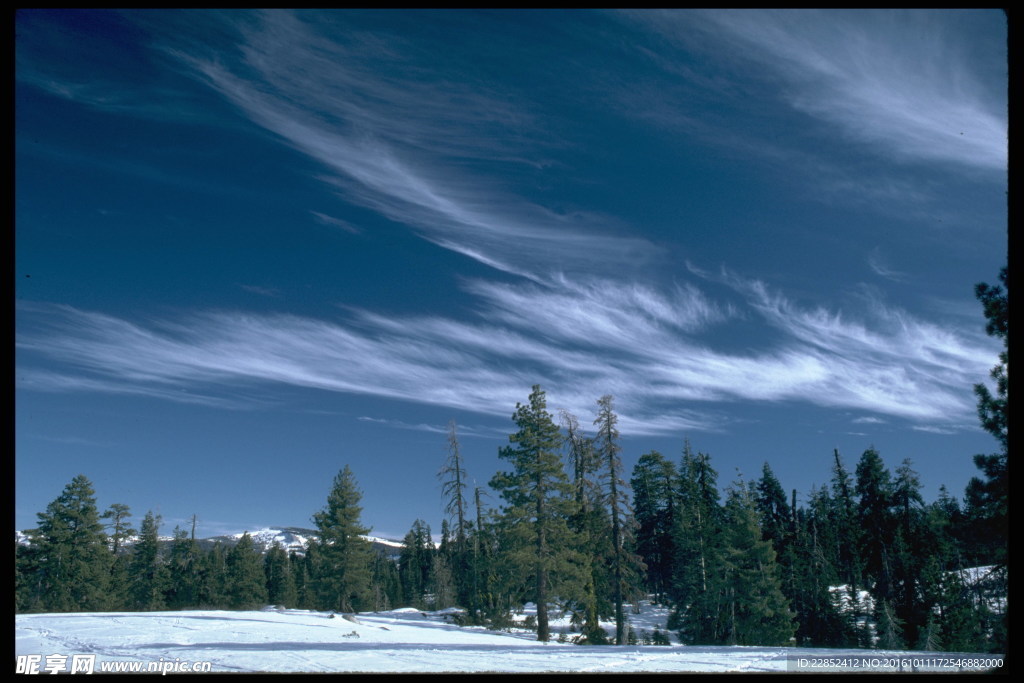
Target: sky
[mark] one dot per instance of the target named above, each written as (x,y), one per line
(254,247)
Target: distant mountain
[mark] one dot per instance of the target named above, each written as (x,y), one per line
(291,539)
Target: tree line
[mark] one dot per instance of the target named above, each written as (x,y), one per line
(862,562)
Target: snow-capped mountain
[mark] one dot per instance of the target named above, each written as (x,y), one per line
(290,538)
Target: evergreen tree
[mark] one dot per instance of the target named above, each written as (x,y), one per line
(914,543)
(696,593)
(538,500)
(213,577)
(653,482)
(306,577)
(415,564)
(820,621)
(486,566)
(847,535)
(590,525)
(246,581)
(443,582)
(120,530)
(453,490)
(149,575)
(875,520)
(987,498)
(387,586)
(66,567)
(754,609)
(184,571)
(280,579)
(775,515)
(343,578)
(624,565)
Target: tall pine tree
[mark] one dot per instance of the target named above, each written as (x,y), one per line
(66,567)
(247,584)
(754,610)
(149,576)
(538,500)
(624,565)
(343,576)
(654,504)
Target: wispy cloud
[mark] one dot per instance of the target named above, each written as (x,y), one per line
(463,430)
(900,81)
(654,351)
(410,144)
(324,219)
(878,263)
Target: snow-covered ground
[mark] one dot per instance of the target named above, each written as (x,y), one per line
(403,640)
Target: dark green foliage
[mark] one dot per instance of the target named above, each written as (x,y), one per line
(590,523)
(698,551)
(987,498)
(625,567)
(213,577)
(387,586)
(119,532)
(753,611)
(820,622)
(654,506)
(993,411)
(342,575)
(120,528)
(539,501)
(149,578)
(67,566)
(415,564)
(184,571)
(280,580)
(874,519)
(246,582)
(775,516)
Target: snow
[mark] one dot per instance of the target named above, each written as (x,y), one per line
(401,640)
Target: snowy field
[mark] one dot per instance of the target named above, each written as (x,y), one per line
(404,640)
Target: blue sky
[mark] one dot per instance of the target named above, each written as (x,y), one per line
(254,247)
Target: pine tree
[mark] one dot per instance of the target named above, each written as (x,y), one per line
(875,520)
(625,566)
(696,593)
(66,567)
(914,543)
(538,500)
(847,535)
(213,580)
(120,528)
(755,610)
(149,576)
(280,580)
(820,621)
(987,498)
(486,567)
(343,579)
(453,489)
(415,564)
(119,531)
(653,482)
(590,525)
(387,586)
(246,581)
(184,571)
